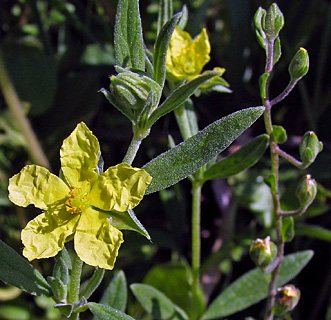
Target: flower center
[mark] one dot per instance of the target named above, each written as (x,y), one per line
(77,202)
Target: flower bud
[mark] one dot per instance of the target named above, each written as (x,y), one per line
(306,191)
(299,65)
(263,252)
(58,288)
(286,299)
(274,22)
(309,148)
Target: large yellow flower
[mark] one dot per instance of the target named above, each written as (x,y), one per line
(186,57)
(77,203)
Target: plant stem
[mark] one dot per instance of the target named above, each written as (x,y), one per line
(132,150)
(196,240)
(74,284)
(32,144)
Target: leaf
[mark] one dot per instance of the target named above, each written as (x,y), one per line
(187,157)
(93,283)
(279,134)
(238,161)
(180,95)
(156,303)
(105,312)
(16,271)
(116,294)
(288,229)
(161,48)
(128,221)
(165,13)
(252,287)
(128,37)
(311,231)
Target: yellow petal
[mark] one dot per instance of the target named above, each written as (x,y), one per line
(201,49)
(36,185)
(96,241)
(44,236)
(119,188)
(79,155)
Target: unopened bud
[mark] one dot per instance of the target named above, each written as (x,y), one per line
(299,65)
(286,299)
(309,148)
(263,252)
(274,22)
(306,191)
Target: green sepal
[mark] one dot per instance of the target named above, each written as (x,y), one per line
(59,289)
(309,148)
(306,191)
(262,82)
(161,48)
(157,303)
(116,294)
(288,229)
(270,181)
(299,65)
(180,95)
(105,312)
(273,22)
(128,37)
(16,271)
(245,157)
(279,134)
(61,270)
(186,158)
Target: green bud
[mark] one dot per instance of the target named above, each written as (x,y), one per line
(306,191)
(61,270)
(263,252)
(274,22)
(299,65)
(286,299)
(309,148)
(259,27)
(59,289)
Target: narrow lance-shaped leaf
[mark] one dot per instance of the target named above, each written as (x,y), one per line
(157,303)
(165,13)
(128,37)
(235,298)
(238,161)
(161,48)
(16,271)
(181,161)
(105,313)
(180,95)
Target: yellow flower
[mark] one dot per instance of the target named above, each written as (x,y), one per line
(79,203)
(186,57)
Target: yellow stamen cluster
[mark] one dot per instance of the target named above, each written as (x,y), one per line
(76,203)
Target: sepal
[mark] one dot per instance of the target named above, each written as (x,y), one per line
(263,252)
(299,65)
(309,148)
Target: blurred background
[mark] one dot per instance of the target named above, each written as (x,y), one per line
(59,54)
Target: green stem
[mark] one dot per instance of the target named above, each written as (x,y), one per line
(183,122)
(132,150)
(196,240)
(74,284)
(32,144)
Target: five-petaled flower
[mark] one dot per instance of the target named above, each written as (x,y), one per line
(79,203)
(186,57)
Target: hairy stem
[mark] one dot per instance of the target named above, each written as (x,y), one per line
(32,144)
(74,284)
(132,150)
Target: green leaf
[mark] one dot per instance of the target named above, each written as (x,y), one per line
(161,48)
(116,294)
(105,312)
(270,181)
(59,289)
(165,13)
(238,161)
(61,270)
(288,229)
(93,283)
(128,37)
(263,80)
(175,281)
(277,51)
(186,158)
(315,232)
(156,303)
(235,298)
(180,95)
(279,134)
(16,271)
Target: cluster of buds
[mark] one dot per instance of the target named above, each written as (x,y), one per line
(263,252)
